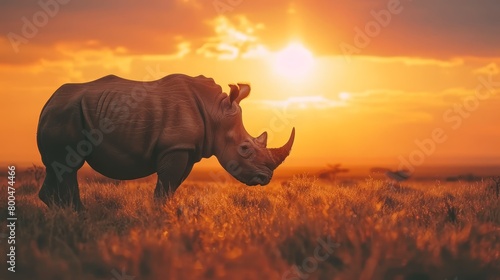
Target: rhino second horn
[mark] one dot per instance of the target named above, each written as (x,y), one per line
(262,139)
(279,154)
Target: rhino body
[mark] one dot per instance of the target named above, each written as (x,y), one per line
(128,129)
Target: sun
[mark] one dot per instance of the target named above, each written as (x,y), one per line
(294,62)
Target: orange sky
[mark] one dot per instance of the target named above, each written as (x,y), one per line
(362,98)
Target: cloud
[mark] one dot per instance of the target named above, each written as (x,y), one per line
(425,28)
(75,62)
(304,102)
(488,70)
(233,40)
(428,29)
(407,100)
(183,49)
(141,29)
(415,61)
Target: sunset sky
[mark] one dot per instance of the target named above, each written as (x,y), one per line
(362,81)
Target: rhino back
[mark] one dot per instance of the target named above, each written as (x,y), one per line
(137,120)
(142,114)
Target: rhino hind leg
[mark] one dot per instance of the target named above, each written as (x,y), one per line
(172,169)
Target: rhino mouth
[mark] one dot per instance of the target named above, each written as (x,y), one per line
(260,179)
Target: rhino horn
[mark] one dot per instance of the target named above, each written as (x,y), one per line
(262,139)
(279,154)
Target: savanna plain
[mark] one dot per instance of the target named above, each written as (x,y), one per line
(296,228)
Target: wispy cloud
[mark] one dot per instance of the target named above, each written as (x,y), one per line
(233,40)
(304,102)
(490,69)
(414,61)
(183,49)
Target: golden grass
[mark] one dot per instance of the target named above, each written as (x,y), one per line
(208,231)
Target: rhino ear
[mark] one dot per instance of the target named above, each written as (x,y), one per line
(244,92)
(234,93)
(239,92)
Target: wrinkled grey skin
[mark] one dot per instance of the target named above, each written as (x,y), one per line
(128,129)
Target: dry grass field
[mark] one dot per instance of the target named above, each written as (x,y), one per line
(297,229)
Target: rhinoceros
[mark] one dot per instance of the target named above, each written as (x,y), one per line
(128,129)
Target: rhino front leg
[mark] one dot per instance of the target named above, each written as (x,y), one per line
(62,192)
(173,168)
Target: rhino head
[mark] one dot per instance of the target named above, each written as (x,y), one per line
(245,157)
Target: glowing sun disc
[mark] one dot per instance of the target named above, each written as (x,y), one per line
(295,61)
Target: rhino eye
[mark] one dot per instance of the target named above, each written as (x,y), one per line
(245,150)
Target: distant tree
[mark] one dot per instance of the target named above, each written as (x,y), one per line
(331,172)
(464,177)
(398,175)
